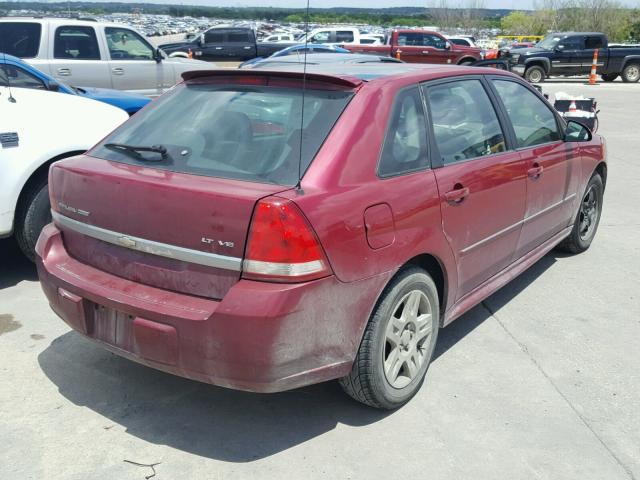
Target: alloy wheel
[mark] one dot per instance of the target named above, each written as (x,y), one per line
(408,339)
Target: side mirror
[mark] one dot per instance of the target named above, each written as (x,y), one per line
(201,40)
(190,36)
(157,55)
(577,132)
(559,48)
(53,86)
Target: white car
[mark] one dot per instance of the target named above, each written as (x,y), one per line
(38,127)
(94,54)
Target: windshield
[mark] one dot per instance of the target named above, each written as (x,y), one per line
(549,42)
(231,131)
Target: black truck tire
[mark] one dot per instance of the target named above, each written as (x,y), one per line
(535,74)
(631,73)
(32,214)
(609,77)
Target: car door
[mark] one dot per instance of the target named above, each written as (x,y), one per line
(213,44)
(591,44)
(480,179)
(567,58)
(132,63)
(551,176)
(239,45)
(76,57)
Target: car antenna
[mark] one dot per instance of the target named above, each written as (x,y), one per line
(304,86)
(10,99)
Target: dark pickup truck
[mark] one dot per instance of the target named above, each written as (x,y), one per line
(571,53)
(224,43)
(421,46)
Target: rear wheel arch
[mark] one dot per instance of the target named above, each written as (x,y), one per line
(434,267)
(467,60)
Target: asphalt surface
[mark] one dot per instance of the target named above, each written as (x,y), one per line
(541,381)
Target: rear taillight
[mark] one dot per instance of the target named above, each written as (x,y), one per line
(282,246)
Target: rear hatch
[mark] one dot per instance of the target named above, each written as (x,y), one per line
(175,213)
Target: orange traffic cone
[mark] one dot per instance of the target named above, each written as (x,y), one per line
(190,54)
(572,107)
(398,52)
(594,65)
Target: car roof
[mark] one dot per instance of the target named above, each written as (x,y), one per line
(62,21)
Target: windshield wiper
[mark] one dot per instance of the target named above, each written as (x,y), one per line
(134,151)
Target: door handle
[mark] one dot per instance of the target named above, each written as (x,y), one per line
(247,48)
(426,52)
(218,48)
(64,72)
(457,195)
(535,171)
(117,71)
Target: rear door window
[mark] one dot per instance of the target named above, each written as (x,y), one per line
(20,39)
(591,43)
(76,43)
(405,144)
(465,124)
(254,133)
(533,121)
(239,36)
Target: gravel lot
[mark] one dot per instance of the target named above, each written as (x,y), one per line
(541,381)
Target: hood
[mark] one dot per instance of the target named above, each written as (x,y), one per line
(466,48)
(529,50)
(197,64)
(175,45)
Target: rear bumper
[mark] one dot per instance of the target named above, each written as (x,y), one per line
(261,337)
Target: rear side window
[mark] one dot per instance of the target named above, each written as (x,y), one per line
(344,36)
(405,145)
(214,36)
(254,133)
(17,77)
(465,123)
(76,43)
(239,36)
(20,39)
(593,43)
(533,122)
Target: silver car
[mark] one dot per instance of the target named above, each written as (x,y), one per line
(94,54)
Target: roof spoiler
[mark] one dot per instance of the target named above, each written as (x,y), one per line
(343,81)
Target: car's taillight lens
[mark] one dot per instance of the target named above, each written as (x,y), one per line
(282,246)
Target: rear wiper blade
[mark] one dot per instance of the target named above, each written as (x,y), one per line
(134,151)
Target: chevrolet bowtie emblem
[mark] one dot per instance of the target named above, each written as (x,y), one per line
(126,242)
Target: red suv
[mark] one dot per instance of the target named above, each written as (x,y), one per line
(264,230)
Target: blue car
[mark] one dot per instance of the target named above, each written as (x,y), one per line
(296,49)
(22,75)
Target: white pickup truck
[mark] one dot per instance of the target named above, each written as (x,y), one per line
(38,127)
(93,54)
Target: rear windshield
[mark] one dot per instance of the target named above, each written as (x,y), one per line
(20,39)
(230,131)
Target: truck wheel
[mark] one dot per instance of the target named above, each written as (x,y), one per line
(631,73)
(467,62)
(33,213)
(534,74)
(609,77)
(398,342)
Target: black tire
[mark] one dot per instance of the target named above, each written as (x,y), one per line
(368,382)
(580,240)
(631,73)
(609,77)
(535,74)
(33,213)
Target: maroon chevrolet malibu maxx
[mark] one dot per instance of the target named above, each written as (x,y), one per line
(267,230)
